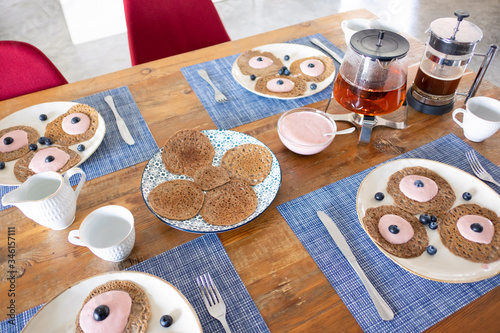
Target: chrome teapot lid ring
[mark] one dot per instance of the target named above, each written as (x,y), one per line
(380,44)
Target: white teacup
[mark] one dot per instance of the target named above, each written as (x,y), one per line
(481,118)
(108,232)
(350,27)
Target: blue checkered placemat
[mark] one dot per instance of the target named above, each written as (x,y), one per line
(181,266)
(244,106)
(114,154)
(418,303)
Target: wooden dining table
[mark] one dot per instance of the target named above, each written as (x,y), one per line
(288,288)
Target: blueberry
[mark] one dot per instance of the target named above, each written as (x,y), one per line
(101,312)
(279,82)
(166,320)
(286,57)
(8,140)
(476,227)
(393,229)
(431,250)
(260,59)
(433,225)
(379,196)
(286,72)
(33,146)
(42,117)
(281,71)
(253,77)
(48,141)
(75,120)
(313,86)
(80,147)
(467,196)
(418,183)
(49,159)
(310,65)
(424,219)
(2,165)
(41,140)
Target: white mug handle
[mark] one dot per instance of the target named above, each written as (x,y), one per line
(74,238)
(74,171)
(454,116)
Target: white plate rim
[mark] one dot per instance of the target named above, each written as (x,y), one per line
(99,279)
(277,50)
(439,167)
(275,172)
(53,110)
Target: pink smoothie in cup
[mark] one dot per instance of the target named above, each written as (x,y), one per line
(302,130)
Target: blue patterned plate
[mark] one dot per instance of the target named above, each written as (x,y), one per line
(222,140)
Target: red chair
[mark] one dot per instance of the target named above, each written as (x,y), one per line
(25,69)
(162,28)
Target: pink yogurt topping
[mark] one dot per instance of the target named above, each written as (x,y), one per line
(20,140)
(76,128)
(285,86)
(405,229)
(38,163)
(260,62)
(414,192)
(484,237)
(306,128)
(312,67)
(119,304)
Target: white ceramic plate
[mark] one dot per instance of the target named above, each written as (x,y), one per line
(29,117)
(443,266)
(60,314)
(295,51)
(222,140)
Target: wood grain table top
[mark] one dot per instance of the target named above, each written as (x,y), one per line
(288,288)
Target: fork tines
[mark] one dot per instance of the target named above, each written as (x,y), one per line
(212,299)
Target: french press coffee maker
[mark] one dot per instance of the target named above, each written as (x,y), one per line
(372,80)
(450,48)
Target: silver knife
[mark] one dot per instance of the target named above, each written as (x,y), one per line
(122,127)
(322,46)
(382,307)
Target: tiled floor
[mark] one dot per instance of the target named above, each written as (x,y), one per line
(41,22)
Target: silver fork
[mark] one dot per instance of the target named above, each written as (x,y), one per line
(212,299)
(478,169)
(219,97)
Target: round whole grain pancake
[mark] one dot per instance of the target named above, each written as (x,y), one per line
(249,162)
(229,204)
(465,248)
(179,199)
(12,155)
(441,203)
(246,69)
(299,88)
(140,312)
(411,249)
(329,68)
(54,129)
(210,177)
(186,151)
(23,172)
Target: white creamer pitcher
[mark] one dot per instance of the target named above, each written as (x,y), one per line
(47,198)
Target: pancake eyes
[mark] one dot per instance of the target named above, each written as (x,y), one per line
(394,229)
(419,183)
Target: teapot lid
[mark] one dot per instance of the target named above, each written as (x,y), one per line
(380,44)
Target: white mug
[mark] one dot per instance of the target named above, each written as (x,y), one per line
(481,118)
(108,232)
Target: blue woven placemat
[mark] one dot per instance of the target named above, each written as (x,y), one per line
(114,154)
(418,303)
(244,106)
(181,266)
